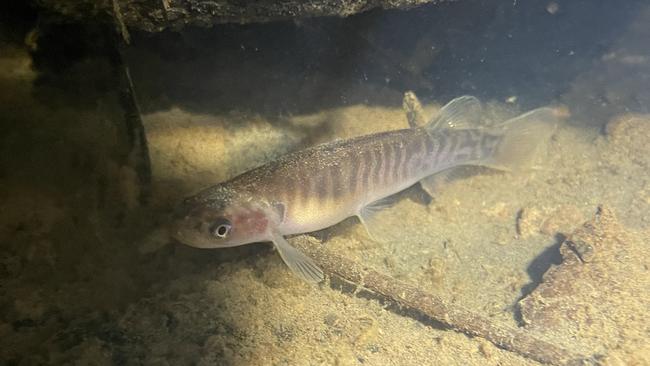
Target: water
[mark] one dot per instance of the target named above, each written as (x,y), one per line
(89,277)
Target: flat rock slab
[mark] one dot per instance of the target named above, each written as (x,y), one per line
(156,15)
(599,296)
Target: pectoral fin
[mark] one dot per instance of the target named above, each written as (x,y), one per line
(299,263)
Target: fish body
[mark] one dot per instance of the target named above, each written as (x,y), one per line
(321,186)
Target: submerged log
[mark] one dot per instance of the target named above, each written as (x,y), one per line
(157,15)
(435,308)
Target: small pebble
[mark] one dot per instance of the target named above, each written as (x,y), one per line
(390,263)
(331,320)
(485,348)
(436,270)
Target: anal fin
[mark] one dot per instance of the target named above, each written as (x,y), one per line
(434,183)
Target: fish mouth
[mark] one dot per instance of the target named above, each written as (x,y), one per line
(186,228)
(194,241)
(191,237)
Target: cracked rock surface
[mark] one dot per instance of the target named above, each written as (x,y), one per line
(156,15)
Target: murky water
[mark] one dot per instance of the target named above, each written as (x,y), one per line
(88,274)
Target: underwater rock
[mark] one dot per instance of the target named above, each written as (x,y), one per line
(627,135)
(599,293)
(547,220)
(156,15)
(563,220)
(365,331)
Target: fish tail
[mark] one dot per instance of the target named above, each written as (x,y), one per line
(521,137)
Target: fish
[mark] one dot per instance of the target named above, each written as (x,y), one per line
(318,187)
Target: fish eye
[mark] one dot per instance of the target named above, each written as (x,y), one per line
(220,228)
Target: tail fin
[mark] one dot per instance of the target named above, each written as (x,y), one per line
(522,137)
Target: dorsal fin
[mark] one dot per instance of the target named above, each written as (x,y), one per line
(460,113)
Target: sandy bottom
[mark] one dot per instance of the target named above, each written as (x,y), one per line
(484,243)
(85,281)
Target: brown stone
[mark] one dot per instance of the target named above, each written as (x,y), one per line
(627,135)
(563,220)
(599,294)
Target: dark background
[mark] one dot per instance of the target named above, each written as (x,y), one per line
(534,50)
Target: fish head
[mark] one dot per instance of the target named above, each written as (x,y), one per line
(221,217)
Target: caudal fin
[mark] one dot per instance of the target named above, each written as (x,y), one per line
(522,136)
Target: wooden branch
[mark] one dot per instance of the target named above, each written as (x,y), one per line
(119,21)
(436,308)
(138,157)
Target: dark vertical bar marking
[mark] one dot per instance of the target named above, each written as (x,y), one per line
(374,166)
(399,162)
(295,187)
(412,156)
(389,158)
(429,159)
(337,179)
(362,173)
(321,187)
(448,154)
(354,163)
(442,145)
(378,168)
(329,182)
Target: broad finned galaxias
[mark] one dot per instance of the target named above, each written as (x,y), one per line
(321,186)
